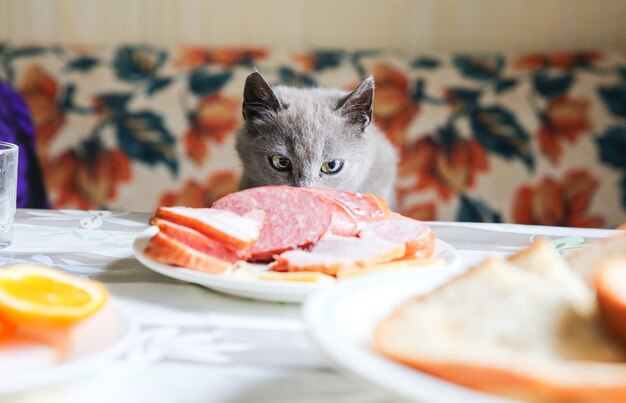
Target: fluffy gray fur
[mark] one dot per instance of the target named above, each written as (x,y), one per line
(311,126)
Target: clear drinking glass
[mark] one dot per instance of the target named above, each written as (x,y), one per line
(8,191)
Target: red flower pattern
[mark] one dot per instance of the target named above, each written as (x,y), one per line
(41,93)
(559,60)
(216,117)
(421,211)
(87,181)
(394,109)
(226,57)
(447,168)
(561,203)
(194,194)
(565,118)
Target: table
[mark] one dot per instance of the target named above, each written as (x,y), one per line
(196,345)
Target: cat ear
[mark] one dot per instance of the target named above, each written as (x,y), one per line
(357,107)
(258,98)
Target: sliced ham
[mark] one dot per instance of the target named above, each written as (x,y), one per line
(318,230)
(417,236)
(235,231)
(165,249)
(351,211)
(293,217)
(333,253)
(196,240)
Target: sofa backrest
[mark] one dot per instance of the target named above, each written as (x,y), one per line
(527,138)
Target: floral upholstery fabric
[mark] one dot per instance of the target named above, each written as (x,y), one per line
(526,138)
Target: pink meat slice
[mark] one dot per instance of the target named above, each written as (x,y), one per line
(417,236)
(196,240)
(293,217)
(333,253)
(351,211)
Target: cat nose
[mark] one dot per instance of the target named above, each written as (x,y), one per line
(302,181)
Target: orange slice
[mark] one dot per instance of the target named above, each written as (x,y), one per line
(6,329)
(38,295)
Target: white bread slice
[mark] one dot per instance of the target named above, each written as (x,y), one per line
(503,330)
(610,282)
(584,261)
(542,259)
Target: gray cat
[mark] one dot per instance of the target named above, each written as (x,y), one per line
(314,137)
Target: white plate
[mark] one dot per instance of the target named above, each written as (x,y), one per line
(277,291)
(94,342)
(341,319)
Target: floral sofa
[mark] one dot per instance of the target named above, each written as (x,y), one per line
(526,138)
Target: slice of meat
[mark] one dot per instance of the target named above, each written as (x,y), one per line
(293,217)
(197,240)
(235,231)
(351,211)
(167,250)
(333,253)
(417,236)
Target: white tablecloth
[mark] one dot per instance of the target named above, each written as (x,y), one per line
(196,345)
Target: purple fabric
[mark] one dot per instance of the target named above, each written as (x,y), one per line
(16,127)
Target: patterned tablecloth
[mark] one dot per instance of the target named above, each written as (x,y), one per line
(196,345)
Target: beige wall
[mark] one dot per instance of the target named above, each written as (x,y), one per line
(414,24)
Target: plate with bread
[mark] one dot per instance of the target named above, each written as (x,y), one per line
(54,326)
(282,243)
(533,327)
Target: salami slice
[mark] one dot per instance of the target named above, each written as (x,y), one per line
(293,217)
(351,211)
(417,236)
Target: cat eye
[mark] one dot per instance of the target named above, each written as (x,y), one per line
(280,162)
(332,167)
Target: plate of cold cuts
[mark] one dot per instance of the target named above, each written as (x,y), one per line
(280,243)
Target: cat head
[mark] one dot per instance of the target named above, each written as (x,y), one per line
(313,137)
